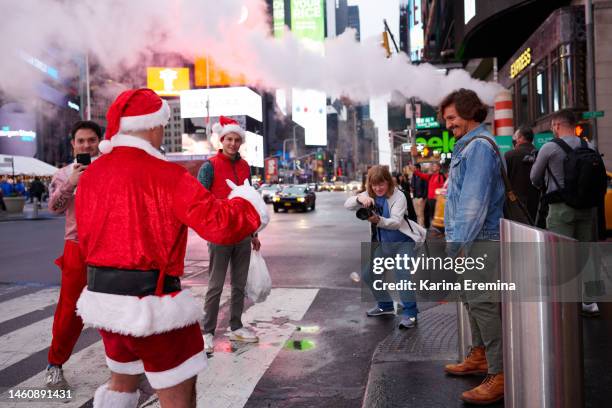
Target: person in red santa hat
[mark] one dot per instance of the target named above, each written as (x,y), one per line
(133,209)
(227,164)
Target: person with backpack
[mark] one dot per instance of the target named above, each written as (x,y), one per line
(575,178)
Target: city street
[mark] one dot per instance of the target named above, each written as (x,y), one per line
(316,342)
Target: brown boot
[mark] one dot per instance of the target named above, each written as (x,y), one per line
(489,391)
(474,363)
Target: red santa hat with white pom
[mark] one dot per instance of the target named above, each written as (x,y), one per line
(227,125)
(133,110)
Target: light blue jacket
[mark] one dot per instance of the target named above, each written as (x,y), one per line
(476,194)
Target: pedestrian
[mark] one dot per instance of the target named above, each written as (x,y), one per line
(518,165)
(474,206)
(37,188)
(394,235)
(435,180)
(572,192)
(19,187)
(133,210)
(67,326)
(419,193)
(227,165)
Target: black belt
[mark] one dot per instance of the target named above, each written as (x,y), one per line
(128,282)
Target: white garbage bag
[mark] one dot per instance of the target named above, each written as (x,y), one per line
(259,283)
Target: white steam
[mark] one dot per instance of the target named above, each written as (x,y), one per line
(123,36)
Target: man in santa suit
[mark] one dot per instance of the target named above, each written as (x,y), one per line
(85,137)
(133,209)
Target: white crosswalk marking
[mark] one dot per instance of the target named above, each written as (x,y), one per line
(19,344)
(85,372)
(231,377)
(34,301)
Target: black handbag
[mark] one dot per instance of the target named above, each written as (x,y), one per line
(514,209)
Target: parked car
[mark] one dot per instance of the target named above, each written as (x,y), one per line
(268,191)
(297,196)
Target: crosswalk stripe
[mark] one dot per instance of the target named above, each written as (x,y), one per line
(28,303)
(85,372)
(21,343)
(231,377)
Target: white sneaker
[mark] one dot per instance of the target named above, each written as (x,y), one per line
(209,343)
(54,379)
(590,309)
(244,335)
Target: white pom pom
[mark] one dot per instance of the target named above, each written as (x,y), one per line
(105,147)
(217,128)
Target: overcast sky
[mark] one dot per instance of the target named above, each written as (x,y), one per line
(372,13)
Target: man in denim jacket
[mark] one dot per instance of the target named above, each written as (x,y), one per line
(474,206)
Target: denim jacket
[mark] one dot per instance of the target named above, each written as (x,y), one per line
(476,194)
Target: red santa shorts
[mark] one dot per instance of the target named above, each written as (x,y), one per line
(167,359)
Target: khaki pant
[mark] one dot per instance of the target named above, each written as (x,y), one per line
(237,256)
(419,208)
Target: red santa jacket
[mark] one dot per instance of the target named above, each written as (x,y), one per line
(434,182)
(225,168)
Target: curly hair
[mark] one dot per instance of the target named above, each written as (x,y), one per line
(468,105)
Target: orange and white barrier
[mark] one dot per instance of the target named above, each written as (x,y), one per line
(504,125)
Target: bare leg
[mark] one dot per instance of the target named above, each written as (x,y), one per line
(182,395)
(123,382)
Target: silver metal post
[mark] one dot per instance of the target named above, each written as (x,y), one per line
(464,335)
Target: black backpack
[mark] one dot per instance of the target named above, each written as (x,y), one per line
(585,176)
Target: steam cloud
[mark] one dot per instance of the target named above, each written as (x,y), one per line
(123,36)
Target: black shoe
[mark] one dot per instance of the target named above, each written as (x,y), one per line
(377,311)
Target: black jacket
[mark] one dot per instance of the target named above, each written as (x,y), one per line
(519,162)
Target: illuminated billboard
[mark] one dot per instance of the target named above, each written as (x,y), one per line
(278,18)
(212,75)
(234,101)
(168,81)
(252,150)
(309,107)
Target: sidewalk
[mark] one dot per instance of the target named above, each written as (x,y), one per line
(28,214)
(407,367)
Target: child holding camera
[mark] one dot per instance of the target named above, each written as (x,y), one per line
(384,206)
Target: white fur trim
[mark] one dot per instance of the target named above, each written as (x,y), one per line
(184,371)
(105,398)
(232,129)
(138,317)
(144,122)
(105,146)
(131,368)
(137,142)
(252,196)
(217,128)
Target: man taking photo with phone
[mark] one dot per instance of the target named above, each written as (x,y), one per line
(85,137)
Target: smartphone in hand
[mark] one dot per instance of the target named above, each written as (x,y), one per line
(84,159)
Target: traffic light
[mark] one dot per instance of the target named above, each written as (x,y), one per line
(385,43)
(320,156)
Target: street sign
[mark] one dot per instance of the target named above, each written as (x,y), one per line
(592,114)
(406,147)
(8,159)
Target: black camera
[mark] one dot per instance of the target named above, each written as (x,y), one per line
(365,213)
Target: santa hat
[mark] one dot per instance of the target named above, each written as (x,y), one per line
(134,109)
(227,125)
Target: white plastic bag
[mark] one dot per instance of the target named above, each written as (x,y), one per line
(259,283)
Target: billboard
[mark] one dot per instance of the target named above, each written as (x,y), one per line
(278,18)
(252,150)
(167,81)
(234,101)
(207,73)
(309,107)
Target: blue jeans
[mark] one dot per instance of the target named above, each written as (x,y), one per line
(383,298)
